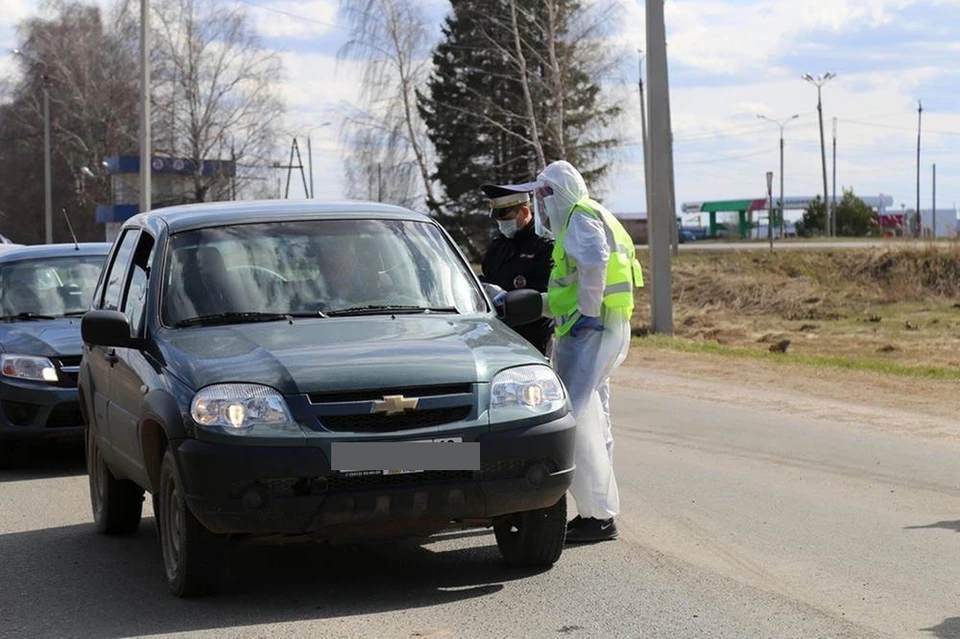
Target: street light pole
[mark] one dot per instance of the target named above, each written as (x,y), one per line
(145,140)
(818,82)
(47,182)
(770,208)
(781,125)
(310,155)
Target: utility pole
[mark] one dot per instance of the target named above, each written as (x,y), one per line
(646,141)
(770,208)
(818,82)
(934,218)
(833,217)
(145,140)
(919,121)
(47,181)
(310,164)
(781,126)
(661,170)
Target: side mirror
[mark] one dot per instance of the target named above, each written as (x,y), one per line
(522,306)
(107,328)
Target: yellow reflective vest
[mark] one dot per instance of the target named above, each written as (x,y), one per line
(623,270)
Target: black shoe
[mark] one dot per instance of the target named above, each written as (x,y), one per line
(592,530)
(576,522)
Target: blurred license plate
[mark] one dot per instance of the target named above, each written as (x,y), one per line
(466,458)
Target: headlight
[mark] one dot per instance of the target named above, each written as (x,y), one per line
(40,369)
(243,409)
(524,391)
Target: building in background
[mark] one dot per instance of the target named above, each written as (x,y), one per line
(171,182)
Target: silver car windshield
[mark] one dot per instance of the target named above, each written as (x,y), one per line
(52,286)
(319,266)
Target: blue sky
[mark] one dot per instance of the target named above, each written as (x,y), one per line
(729,60)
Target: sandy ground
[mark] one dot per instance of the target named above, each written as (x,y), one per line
(929,408)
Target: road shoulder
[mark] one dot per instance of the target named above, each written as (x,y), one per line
(908,406)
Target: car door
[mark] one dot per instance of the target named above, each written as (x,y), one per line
(134,372)
(100,359)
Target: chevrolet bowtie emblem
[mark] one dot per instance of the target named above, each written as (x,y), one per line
(395,404)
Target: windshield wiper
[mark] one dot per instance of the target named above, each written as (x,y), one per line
(29,316)
(233,317)
(379,309)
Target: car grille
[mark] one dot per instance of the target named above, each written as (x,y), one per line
(68,369)
(373,395)
(353,411)
(391,423)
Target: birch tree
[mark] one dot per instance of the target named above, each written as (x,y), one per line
(216,93)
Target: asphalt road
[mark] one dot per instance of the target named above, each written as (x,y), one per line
(739,521)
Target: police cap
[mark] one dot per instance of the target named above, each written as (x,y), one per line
(505,197)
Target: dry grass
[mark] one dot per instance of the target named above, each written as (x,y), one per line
(897,308)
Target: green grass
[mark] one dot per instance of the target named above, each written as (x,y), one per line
(859,364)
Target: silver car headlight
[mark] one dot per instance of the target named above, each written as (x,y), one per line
(39,369)
(243,409)
(525,391)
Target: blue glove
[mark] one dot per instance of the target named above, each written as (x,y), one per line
(586,323)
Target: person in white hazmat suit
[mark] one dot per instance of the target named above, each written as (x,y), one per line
(590,297)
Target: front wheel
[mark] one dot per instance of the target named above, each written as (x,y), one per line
(117,503)
(533,538)
(193,557)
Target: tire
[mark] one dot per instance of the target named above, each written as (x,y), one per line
(534,538)
(194,559)
(117,504)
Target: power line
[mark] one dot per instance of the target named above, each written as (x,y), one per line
(292,15)
(728,157)
(898,128)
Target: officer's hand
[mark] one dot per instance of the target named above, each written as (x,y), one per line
(498,302)
(586,323)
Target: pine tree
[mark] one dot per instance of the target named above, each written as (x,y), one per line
(474,104)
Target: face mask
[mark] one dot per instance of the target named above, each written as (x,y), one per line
(508,227)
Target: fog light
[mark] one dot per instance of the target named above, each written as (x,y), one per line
(537,474)
(254,498)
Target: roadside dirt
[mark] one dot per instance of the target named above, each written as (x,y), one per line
(920,407)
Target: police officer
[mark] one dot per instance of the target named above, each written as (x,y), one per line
(518,257)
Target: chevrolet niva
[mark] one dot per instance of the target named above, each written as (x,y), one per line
(325,372)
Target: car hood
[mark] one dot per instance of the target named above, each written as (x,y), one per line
(46,338)
(339,354)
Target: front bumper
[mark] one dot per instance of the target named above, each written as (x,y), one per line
(31,409)
(267,490)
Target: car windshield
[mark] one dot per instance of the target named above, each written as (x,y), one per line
(49,287)
(315,267)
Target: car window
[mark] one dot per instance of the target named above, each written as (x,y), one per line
(321,265)
(54,286)
(118,269)
(136,295)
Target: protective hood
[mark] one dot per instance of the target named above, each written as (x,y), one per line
(568,188)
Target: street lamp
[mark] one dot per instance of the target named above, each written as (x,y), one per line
(782,124)
(47,181)
(770,207)
(818,82)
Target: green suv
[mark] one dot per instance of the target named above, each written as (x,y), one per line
(306,371)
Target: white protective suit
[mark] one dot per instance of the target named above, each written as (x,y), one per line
(586,362)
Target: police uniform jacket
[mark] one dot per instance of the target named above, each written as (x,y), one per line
(522,261)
